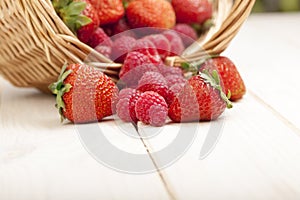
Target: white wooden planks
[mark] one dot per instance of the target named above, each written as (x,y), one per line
(43,159)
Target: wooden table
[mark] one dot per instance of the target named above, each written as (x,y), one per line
(256,155)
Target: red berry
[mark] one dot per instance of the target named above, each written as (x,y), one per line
(177,46)
(161,43)
(121,47)
(187,34)
(150,13)
(84,94)
(154,81)
(135,65)
(109,11)
(167,70)
(147,48)
(231,78)
(85,32)
(99,37)
(201,99)
(152,78)
(104,50)
(126,104)
(192,11)
(151,108)
(175,90)
(174,79)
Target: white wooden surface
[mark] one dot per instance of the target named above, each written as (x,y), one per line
(256,157)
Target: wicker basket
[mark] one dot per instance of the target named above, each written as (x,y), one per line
(34,42)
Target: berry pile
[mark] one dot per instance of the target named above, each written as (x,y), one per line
(150,91)
(95,21)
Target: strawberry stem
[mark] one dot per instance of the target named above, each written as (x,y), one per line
(58,88)
(70,12)
(213,79)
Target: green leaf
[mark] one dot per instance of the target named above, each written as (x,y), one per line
(70,12)
(213,79)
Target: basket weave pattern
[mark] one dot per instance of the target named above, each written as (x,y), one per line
(34,41)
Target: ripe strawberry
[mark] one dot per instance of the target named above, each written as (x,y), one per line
(85,32)
(202,99)
(99,37)
(126,104)
(80,16)
(192,11)
(229,74)
(151,108)
(135,65)
(84,94)
(150,13)
(109,11)
(187,33)
(177,46)
(121,47)
(161,43)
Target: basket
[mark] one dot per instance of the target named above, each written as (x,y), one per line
(35,43)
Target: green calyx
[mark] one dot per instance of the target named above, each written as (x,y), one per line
(213,80)
(195,66)
(70,12)
(58,88)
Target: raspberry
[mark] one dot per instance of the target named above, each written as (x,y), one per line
(187,33)
(99,37)
(152,78)
(126,104)
(104,50)
(177,46)
(135,65)
(174,79)
(161,43)
(151,108)
(121,47)
(147,48)
(167,70)
(154,81)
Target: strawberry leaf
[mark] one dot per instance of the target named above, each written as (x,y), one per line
(213,79)
(59,89)
(71,13)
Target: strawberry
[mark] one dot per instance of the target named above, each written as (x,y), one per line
(202,99)
(84,94)
(192,11)
(85,32)
(150,13)
(231,78)
(80,16)
(151,108)
(109,11)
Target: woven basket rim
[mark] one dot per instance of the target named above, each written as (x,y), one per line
(45,42)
